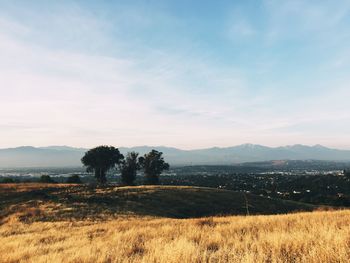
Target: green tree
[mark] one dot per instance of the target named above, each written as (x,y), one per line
(128,168)
(153,165)
(100,160)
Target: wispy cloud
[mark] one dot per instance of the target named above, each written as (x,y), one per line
(83,77)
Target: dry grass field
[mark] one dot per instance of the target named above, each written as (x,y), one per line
(303,237)
(26,235)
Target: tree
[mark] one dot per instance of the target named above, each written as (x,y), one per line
(73,179)
(153,165)
(128,168)
(347,173)
(46,179)
(100,160)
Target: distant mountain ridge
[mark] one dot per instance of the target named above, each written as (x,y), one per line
(65,156)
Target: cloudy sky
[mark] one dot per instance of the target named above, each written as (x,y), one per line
(189,74)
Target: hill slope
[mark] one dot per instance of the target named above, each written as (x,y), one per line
(301,237)
(63,202)
(127,224)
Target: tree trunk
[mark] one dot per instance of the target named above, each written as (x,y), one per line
(100,175)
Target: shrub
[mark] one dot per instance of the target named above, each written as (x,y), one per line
(7,180)
(46,179)
(73,179)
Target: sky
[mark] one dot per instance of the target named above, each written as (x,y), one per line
(187,74)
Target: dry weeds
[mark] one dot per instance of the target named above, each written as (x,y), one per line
(322,236)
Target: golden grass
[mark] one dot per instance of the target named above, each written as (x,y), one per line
(25,187)
(322,236)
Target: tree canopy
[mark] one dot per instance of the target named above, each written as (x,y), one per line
(101,159)
(153,165)
(128,168)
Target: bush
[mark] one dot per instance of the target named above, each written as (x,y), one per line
(8,180)
(73,179)
(46,179)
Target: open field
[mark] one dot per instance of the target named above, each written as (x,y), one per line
(65,223)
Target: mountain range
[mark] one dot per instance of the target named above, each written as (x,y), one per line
(64,156)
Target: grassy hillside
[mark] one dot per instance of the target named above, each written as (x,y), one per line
(52,202)
(65,223)
(302,237)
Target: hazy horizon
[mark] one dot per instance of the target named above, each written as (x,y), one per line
(189,75)
(170,146)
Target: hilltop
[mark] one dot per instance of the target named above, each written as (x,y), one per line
(52,202)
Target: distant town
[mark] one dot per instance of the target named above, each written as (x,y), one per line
(315,182)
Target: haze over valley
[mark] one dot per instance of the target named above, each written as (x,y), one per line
(64,156)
